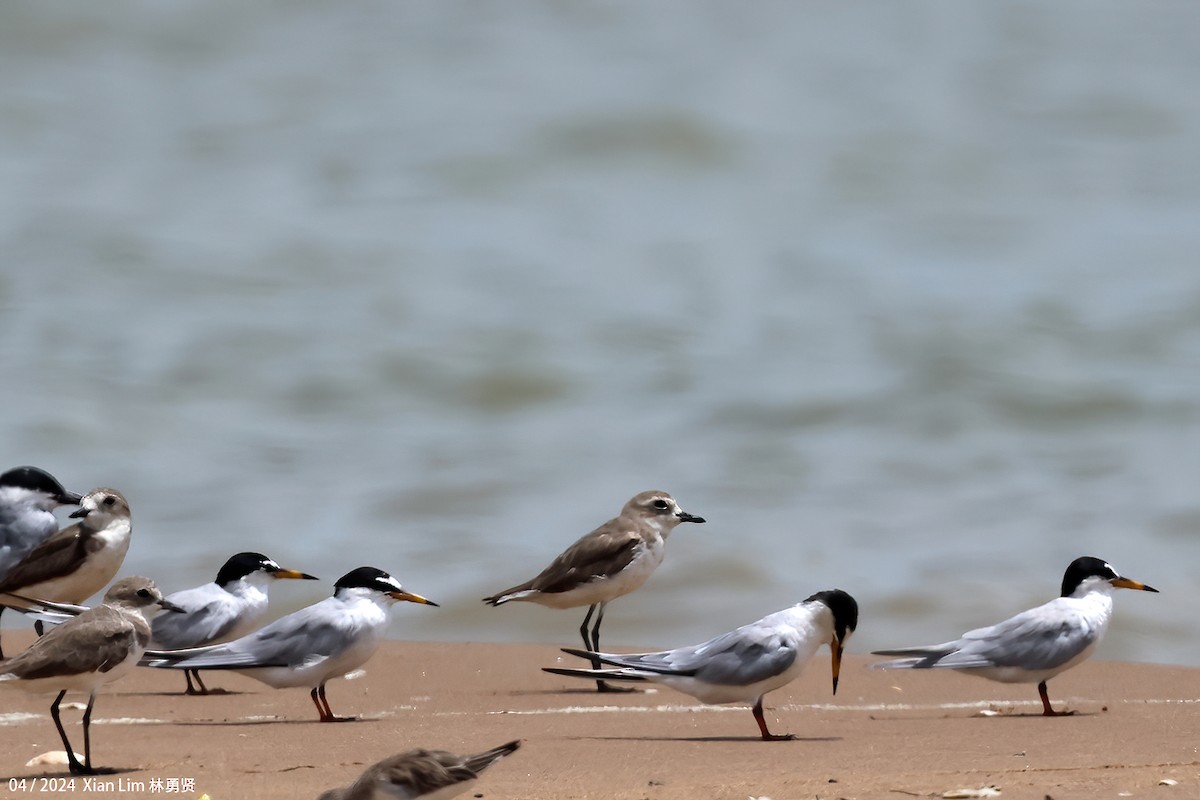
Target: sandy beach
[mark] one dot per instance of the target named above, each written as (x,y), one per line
(886,734)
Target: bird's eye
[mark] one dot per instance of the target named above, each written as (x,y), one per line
(661,504)
(143,592)
(110,501)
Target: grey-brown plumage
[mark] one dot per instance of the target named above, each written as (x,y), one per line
(429,774)
(80,559)
(86,652)
(612,560)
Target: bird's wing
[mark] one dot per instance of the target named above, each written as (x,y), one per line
(750,654)
(600,553)
(298,639)
(418,772)
(207,617)
(1040,638)
(480,761)
(605,551)
(58,555)
(99,641)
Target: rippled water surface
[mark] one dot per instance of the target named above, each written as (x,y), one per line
(903,298)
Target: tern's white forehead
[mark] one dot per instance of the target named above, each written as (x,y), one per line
(389,581)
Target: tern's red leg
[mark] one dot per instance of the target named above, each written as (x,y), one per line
(762,726)
(1047,711)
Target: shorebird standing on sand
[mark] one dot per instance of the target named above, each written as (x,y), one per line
(431,774)
(1037,644)
(612,560)
(746,663)
(224,609)
(313,645)
(86,652)
(78,561)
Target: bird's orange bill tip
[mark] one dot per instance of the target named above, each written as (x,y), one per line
(835,647)
(294,575)
(1126,583)
(412,598)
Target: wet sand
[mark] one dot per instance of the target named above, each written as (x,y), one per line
(885,734)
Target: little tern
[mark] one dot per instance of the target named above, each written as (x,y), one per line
(222,610)
(77,561)
(86,652)
(313,645)
(1037,644)
(428,774)
(612,560)
(743,665)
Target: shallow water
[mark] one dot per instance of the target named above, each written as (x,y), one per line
(902,299)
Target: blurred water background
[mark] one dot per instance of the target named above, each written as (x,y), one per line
(903,298)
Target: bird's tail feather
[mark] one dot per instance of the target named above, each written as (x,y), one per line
(481,761)
(594,674)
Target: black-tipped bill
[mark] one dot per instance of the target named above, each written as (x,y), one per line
(169,606)
(411,598)
(79,513)
(835,648)
(293,575)
(1126,583)
(68,498)
(686,517)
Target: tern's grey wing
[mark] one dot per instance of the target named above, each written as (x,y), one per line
(750,654)
(304,637)
(206,618)
(21,530)
(1038,639)
(98,641)
(1041,638)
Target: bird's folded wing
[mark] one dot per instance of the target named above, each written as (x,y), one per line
(1032,640)
(106,640)
(599,554)
(738,658)
(283,643)
(193,628)
(57,556)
